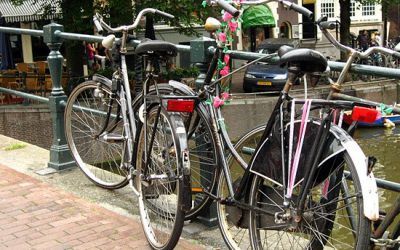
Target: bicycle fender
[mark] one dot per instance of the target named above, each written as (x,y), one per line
(186,202)
(368,183)
(182,87)
(102,79)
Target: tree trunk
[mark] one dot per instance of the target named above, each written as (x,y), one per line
(344,25)
(76,21)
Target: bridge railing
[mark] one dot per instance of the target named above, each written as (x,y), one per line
(200,54)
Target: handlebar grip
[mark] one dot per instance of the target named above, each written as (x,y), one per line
(396,54)
(322,19)
(227,7)
(164,14)
(301,10)
(328,25)
(97,24)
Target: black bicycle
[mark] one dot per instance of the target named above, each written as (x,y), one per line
(288,196)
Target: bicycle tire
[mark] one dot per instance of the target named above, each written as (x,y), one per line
(100,159)
(325,225)
(160,184)
(235,236)
(202,151)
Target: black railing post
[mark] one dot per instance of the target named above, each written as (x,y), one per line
(60,156)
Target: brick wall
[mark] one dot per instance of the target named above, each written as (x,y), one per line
(31,124)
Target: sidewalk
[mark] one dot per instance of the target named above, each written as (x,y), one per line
(35,214)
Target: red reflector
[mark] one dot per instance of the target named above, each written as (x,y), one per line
(178,105)
(363,114)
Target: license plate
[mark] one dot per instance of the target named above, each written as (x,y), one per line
(264,83)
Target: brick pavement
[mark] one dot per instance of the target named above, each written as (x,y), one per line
(35,215)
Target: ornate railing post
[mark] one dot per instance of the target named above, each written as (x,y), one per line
(60,156)
(200,57)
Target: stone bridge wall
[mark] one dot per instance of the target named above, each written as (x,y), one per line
(33,123)
(27,123)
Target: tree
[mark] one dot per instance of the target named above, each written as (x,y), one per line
(188,13)
(77,18)
(344,25)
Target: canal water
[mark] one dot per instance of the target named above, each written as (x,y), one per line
(384,144)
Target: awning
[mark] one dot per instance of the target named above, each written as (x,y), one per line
(258,15)
(28,11)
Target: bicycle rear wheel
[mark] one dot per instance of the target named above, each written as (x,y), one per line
(332,219)
(160,183)
(231,218)
(100,155)
(202,150)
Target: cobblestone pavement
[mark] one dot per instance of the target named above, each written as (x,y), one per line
(36,215)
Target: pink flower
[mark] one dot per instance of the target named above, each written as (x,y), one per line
(218,102)
(227,16)
(225,96)
(226,59)
(222,37)
(224,71)
(233,26)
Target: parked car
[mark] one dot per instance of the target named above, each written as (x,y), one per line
(267,76)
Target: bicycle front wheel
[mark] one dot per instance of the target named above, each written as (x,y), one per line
(160,181)
(332,217)
(97,144)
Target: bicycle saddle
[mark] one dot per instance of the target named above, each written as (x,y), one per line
(307,60)
(156,48)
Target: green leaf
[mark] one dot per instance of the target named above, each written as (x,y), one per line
(221,64)
(204,4)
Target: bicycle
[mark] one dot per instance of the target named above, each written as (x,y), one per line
(115,145)
(247,143)
(380,236)
(293,210)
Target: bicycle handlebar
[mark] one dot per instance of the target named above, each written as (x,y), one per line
(164,14)
(290,5)
(226,6)
(97,24)
(100,24)
(300,9)
(235,12)
(328,25)
(325,25)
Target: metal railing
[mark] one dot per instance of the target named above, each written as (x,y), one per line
(200,54)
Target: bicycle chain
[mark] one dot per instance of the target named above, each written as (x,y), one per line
(386,242)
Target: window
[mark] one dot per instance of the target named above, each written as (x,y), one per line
(328,8)
(368,9)
(352,8)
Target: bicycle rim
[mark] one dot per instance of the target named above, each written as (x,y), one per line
(326,221)
(98,156)
(158,183)
(230,218)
